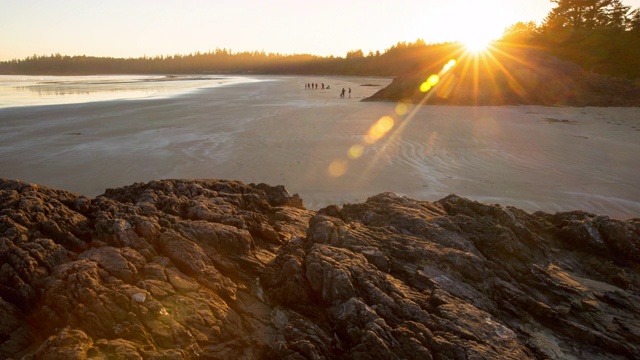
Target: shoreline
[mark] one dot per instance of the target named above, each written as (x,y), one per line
(278,133)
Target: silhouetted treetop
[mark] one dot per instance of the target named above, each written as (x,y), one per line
(587,14)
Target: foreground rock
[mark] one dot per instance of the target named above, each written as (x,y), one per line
(218,269)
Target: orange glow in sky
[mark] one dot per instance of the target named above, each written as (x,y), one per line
(124,28)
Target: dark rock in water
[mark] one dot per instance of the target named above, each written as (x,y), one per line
(184,269)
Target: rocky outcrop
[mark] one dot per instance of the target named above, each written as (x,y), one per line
(508,75)
(183,269)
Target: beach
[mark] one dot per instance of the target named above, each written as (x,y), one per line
(321,146)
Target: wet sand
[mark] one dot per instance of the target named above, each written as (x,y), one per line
(536,158)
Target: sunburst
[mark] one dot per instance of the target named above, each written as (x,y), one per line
(477,43)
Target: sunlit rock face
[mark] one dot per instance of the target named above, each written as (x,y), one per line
(183,269)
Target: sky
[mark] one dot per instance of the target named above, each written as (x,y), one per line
(135,28)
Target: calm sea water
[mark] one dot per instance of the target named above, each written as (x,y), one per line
(21,90)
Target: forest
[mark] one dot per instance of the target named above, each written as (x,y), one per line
(602,36)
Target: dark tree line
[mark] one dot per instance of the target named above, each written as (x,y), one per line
(218,61)
(395,60)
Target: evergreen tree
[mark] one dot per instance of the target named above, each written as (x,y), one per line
(587,15)
(617,15)
(633,24)
(520,32)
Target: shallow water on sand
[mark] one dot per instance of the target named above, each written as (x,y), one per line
(23,90)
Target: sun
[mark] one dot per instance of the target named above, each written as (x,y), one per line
(478,24)
(477,42)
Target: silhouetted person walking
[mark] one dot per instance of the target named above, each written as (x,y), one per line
(342,93)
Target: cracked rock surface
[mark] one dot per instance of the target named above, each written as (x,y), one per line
(213,269)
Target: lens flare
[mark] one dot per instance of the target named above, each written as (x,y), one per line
(447,86)
(355,151)
(450,64)
(401,109)
(442,84)
(431,82)
(379,129)
(338,168)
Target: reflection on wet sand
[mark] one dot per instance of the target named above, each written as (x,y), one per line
(48,90)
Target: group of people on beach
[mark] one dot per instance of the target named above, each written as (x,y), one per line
(314,86)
